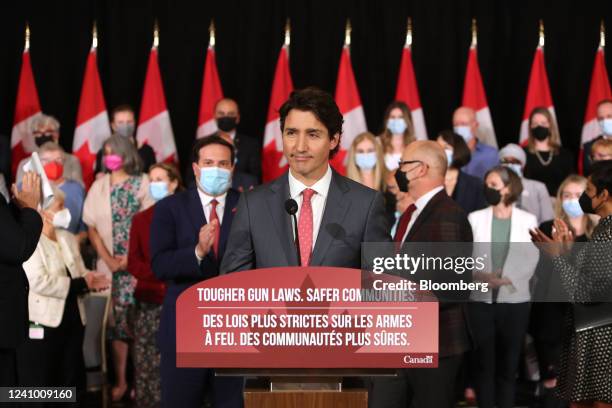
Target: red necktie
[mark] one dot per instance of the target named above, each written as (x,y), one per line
(403,223)
(213,216)
(305,226)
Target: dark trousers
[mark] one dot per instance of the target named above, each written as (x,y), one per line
(8,367)
(417,387)
(186,387)
(499,332)
(57,359)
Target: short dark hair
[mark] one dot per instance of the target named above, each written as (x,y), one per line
(208,140)
(461,151)
(510,180)
(321,104)
(601,176)
(122,108)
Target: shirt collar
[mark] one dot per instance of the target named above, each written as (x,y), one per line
(321,187)
(206,199)
(424,199)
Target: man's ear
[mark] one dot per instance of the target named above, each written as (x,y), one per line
(335,140)
(196,170)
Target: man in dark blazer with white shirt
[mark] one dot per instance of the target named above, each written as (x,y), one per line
(335,215)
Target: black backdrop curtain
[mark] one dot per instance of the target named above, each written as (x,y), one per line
(249,36)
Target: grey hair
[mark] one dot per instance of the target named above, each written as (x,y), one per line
(124,147)
(43,120)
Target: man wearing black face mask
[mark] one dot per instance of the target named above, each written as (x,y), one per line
(45,129)
(248,150)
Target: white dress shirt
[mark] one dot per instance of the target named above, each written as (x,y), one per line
(321,188)
(207,206)
(420,204)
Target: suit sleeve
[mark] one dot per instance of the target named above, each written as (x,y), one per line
(168,260)
(239,254)
(377,224)
(19,233)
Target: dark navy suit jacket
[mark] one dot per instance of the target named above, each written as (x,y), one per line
(177,220)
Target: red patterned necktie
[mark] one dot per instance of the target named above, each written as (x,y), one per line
(213,216)
(305,227)
(403,223)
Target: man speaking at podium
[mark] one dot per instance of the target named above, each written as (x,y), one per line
(334,214)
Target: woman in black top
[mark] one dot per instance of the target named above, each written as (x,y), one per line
(547,161)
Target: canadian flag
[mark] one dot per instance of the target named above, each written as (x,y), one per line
(600,89)
(92,119)
(538,91)
(154,127)
(211,93)
(274,162)
(349,102)
(408,92)
(27,108)
(474,96)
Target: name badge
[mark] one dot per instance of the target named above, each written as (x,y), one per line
(37,332)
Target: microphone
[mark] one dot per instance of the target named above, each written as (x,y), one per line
(291,206)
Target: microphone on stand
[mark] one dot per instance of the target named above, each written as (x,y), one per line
(291,206)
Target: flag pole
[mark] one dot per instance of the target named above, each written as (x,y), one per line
(602,35)
(541,34)
(287,33)
(408,43)
(474,34)
(94,37)
(155,35)
(26,48)
(211,31)
(347,34)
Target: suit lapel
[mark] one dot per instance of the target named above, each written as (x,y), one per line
(335,210)
(228,214)
(278,194)
(424,214)
(196,212)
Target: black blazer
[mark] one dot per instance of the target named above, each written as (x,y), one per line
(177,220)
(443,220)
(19,234)
(469,193)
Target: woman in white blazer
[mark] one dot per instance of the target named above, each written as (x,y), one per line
(499,317)
(52,355)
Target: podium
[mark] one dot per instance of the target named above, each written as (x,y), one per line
(301,388)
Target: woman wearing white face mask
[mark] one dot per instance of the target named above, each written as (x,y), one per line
(165,180)
(366,163)
(398,132)
(52,355)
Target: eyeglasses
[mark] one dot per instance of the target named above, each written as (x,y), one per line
(403,162)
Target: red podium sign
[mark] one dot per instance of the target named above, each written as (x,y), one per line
(315,317)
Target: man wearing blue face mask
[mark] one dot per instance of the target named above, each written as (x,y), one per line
(604,118)
(188,238)
(484,157)
(534,198)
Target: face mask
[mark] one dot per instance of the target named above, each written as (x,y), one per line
(125,129)
(449,156)
(465,132)
(402,181)
(61,219)
(572,208)
(113,162)
(366,161)
(54,170)
(44,138)
(226,123)
(540,132)
(158,189)
(586,203)
(606,126)
(517,168)
(492,196)
(215,180)
(397,126)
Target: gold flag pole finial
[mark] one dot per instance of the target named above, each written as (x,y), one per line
(602,35)
(211,31)
(27,38)
(409,33)
(474,33)
(287,33)
(541,41)
(94,37)
(347,34)
(155,35)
